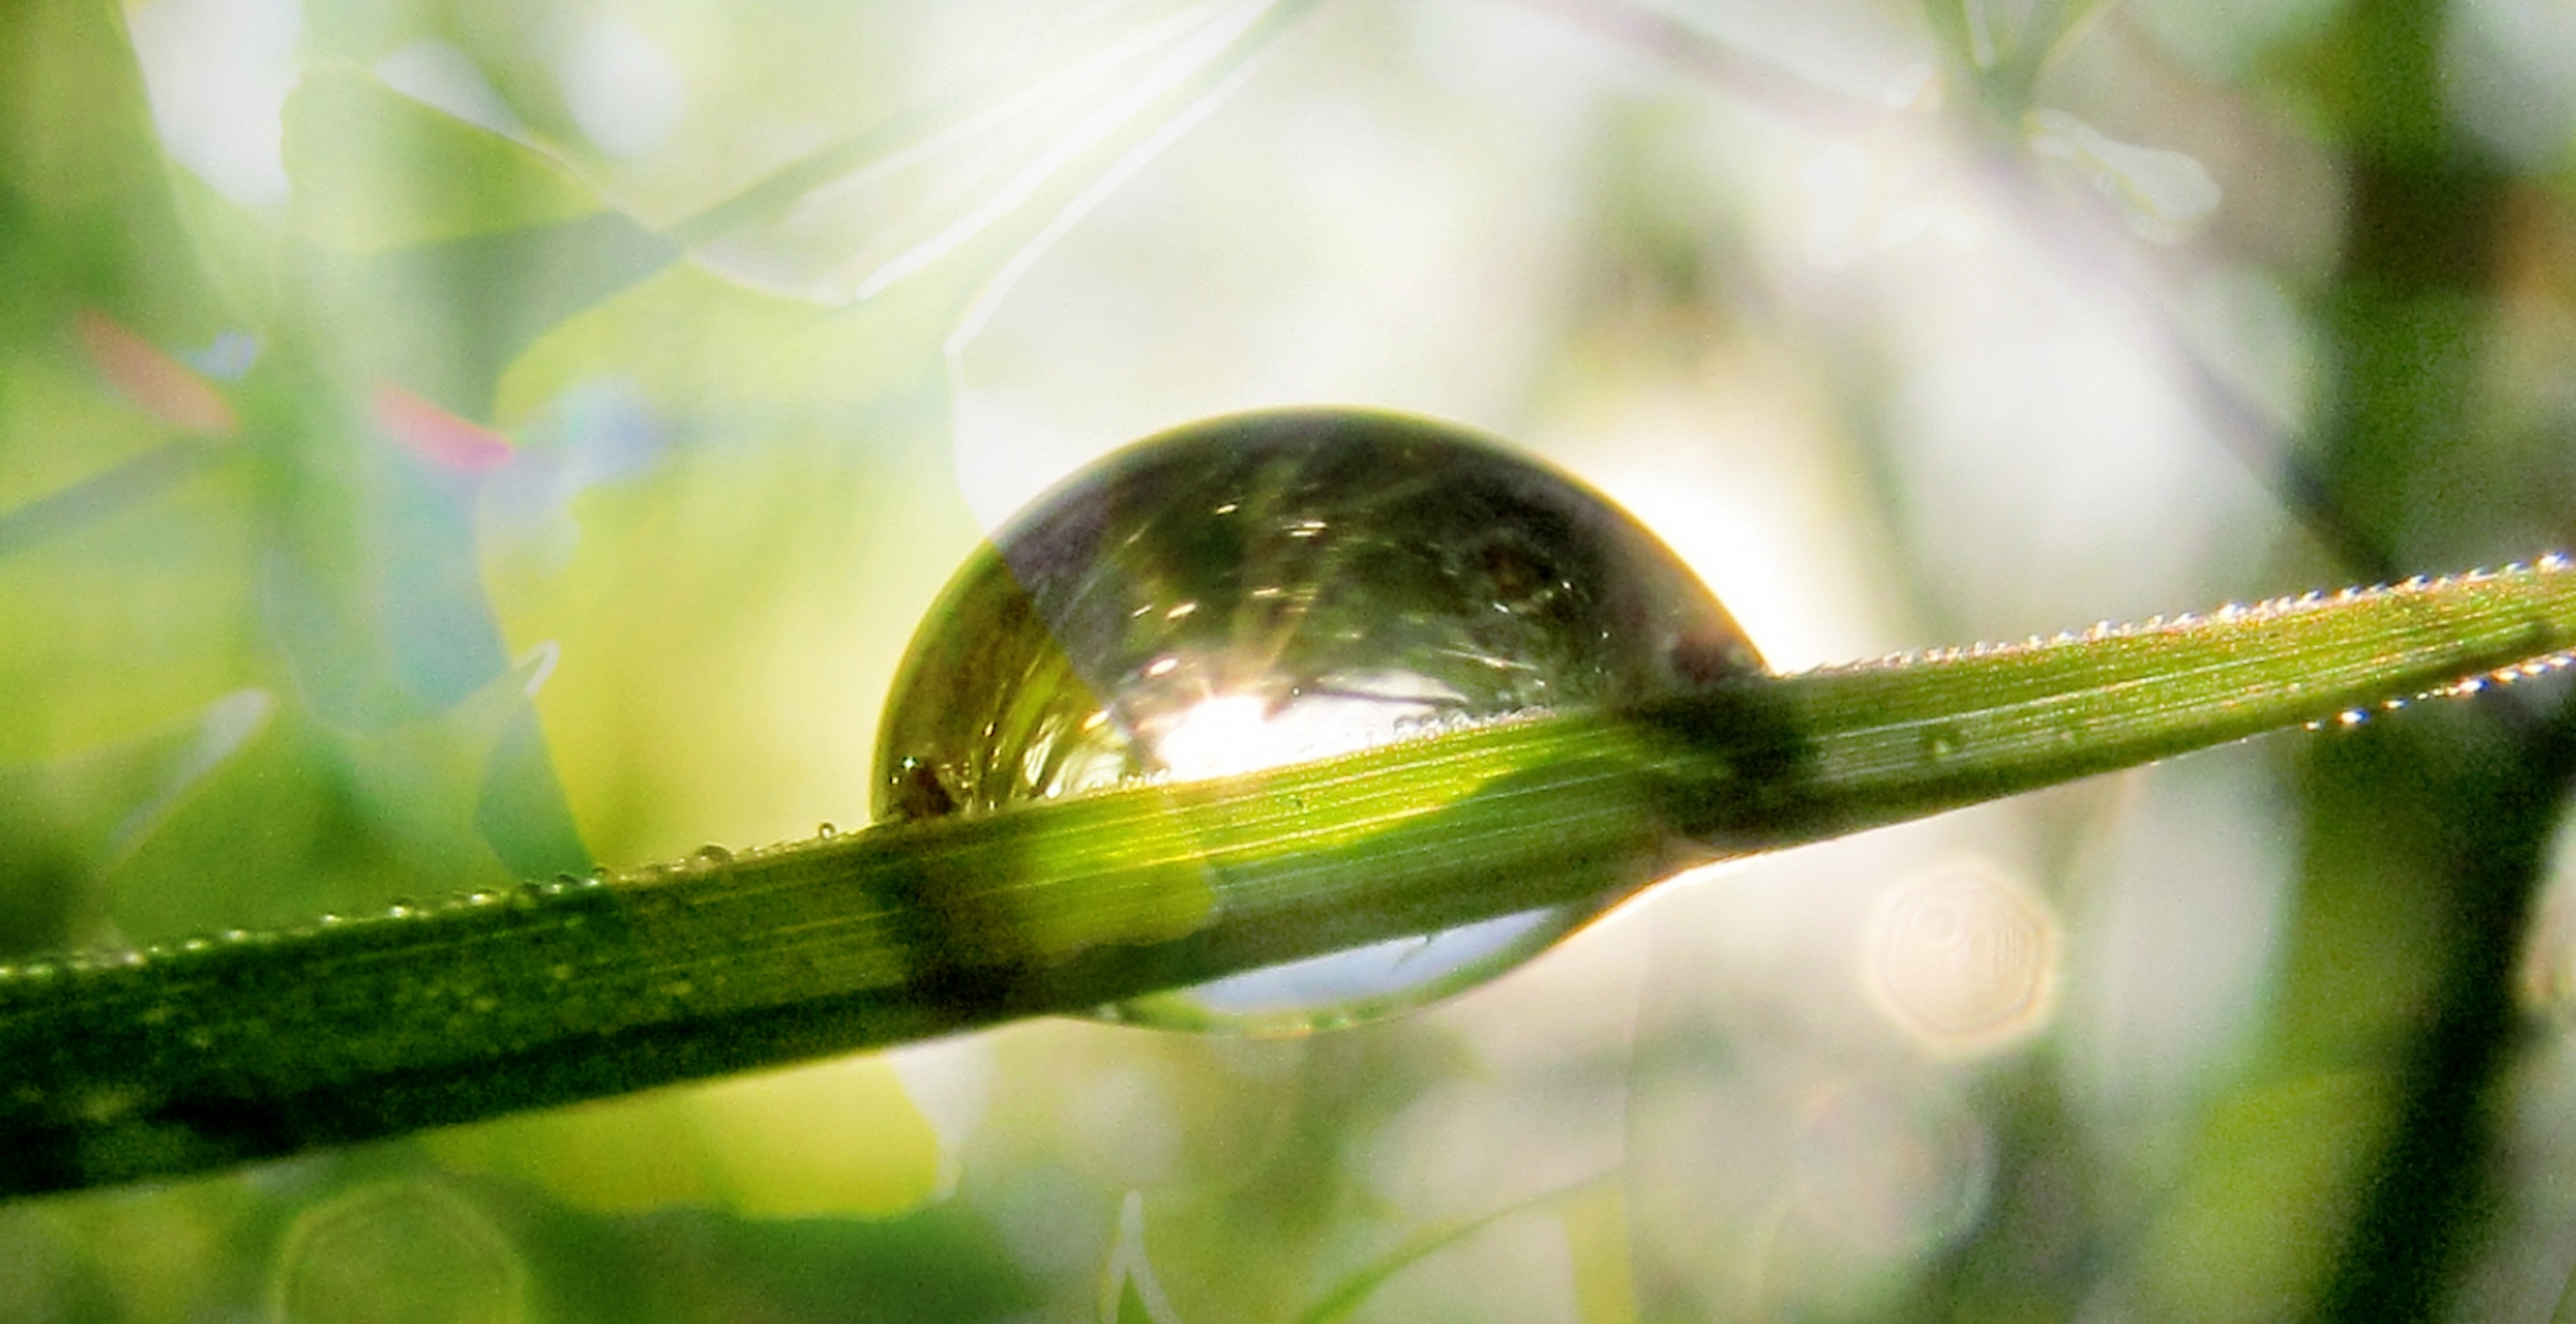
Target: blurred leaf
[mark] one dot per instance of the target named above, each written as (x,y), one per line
(446,319)
(67,822)
(127,594)
(1959,27)
(86,219)
(2002,48)
(238,252)
(2047,29)
(369,584)
(311,819)
(782,536)
(833,1141)
(440,249)
(2167,197)
(135,482)
(120,560)
(1129,1292)
(376,170)
(1344,1299)
(2272,1194)
(850,221)
(942,1263)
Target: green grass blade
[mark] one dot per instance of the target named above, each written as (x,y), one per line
(130,1065)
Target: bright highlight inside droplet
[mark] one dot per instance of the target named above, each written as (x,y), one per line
(1235,733)
(1222,736)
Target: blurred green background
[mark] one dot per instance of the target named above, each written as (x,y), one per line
(447,441)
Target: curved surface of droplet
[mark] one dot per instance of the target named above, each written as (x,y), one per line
(1268,588)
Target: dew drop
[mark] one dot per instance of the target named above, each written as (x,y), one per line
(826,831)
(1352,579)
(711,855)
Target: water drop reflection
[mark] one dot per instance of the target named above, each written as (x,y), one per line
(1273,588)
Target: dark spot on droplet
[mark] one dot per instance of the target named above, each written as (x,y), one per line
(920,792)
(1703,657)
(1519,579)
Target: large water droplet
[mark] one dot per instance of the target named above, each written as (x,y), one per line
(1268,588)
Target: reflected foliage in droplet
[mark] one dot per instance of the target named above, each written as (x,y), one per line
(1271,588)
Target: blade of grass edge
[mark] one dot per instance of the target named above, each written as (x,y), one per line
(135,1064)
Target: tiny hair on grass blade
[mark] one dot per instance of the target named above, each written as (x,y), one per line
(133,1064)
